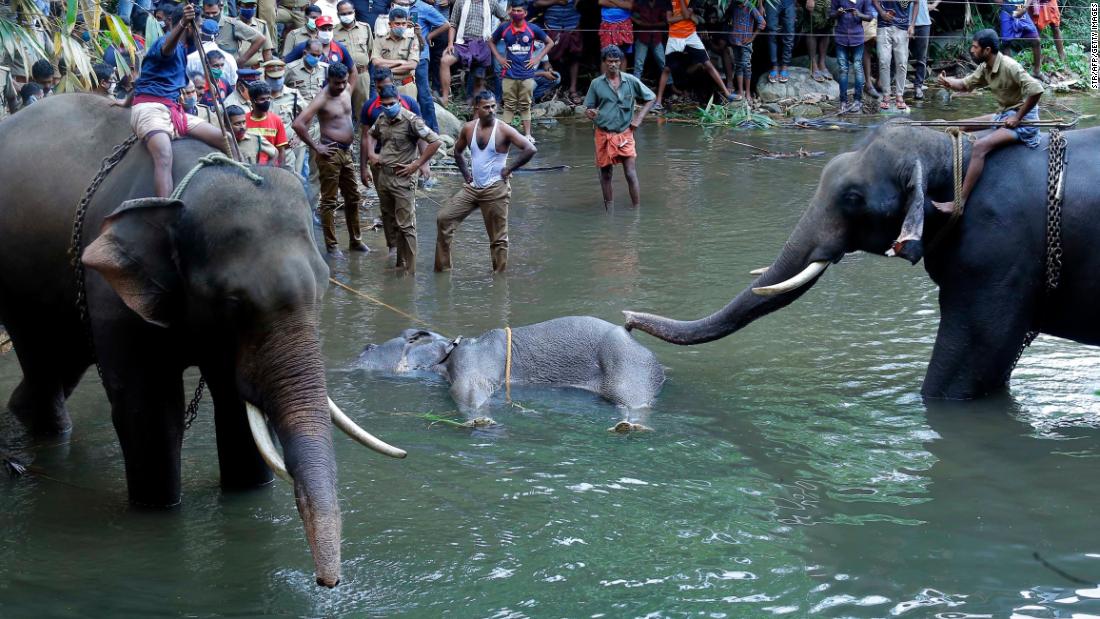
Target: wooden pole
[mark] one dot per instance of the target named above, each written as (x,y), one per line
(219,107)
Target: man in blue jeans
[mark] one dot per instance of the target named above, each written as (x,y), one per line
(430,24)
(779,16)
(848,30)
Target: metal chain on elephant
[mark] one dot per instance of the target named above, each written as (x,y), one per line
(76,244)
(1056,165)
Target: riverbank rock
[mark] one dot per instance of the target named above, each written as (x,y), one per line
(805,110)
(800,86)
(449,124)
(551,109)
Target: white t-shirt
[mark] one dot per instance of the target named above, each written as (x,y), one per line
(229,71)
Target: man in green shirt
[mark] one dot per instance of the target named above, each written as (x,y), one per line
(1017,94)
(610,102)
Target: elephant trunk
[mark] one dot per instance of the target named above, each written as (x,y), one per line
(810,248)
(288,377)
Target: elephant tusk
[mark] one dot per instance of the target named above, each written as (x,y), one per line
(258,425)
(760,271)
(813,270)
(360,435)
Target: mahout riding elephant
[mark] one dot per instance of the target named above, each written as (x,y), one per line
(227,278)
(581,352)
(990,264)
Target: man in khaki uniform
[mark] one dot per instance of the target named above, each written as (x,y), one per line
(306,31)
(287,103)
(397,130)
(9,98)
(307,74)
(239,96)
(358,38)
(248,18)
(399,51)
(233,35)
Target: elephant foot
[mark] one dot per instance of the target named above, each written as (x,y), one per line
(42,415)
(626,427)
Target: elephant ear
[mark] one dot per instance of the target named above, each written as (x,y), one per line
(909,244)
(135,252)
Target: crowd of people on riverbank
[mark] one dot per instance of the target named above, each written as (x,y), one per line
(334,77)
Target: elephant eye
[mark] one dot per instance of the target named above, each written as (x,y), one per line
(852,197)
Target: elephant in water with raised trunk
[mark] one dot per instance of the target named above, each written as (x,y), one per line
(990,265)
(227,278)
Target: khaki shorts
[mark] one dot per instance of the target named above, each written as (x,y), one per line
(148,118)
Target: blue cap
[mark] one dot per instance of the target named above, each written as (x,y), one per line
(210,27)
(248,75)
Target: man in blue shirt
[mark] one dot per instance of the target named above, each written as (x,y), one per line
(894,17)
(156,116)
(521,62)
(429,24)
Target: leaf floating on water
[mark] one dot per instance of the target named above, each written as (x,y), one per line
(477,422)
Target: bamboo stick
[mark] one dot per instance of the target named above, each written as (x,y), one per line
(1054,123)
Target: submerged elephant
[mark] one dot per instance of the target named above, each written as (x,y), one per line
(575,351)
(990,265)
(227,278)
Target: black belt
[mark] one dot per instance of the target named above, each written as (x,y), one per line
(339,145)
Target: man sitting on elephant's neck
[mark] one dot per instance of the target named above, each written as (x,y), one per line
(1015,91)
(156,116)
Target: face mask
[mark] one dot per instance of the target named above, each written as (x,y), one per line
(189,102)
(392,110)
(325,36)
(517,19)
(347,20)
(216,18)
(160,22)
(311,60)
(398,31)
(263,107)
(241,134)
(216,73)
(311,23)
(275,84)
(248,14)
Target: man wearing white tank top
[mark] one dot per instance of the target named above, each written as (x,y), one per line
(486,185)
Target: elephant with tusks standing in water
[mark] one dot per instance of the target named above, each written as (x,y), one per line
(227,278)
(990,264)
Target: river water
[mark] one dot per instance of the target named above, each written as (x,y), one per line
(792,469)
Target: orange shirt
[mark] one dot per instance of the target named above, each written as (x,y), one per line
(681,29)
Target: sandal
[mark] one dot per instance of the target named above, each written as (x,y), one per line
(818,77)
(773,76)
(657,107)
(784,76)
(885,105)
(735,97)
(901,104)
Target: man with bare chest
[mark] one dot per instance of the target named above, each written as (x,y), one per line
(486,185)
(332,107)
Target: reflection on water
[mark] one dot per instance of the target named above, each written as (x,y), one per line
(793,469)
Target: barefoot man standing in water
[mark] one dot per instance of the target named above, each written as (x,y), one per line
(610,102)
(336,168)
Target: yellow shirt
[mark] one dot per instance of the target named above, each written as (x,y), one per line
(1008,81)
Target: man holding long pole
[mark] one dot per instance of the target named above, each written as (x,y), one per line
(156,116)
